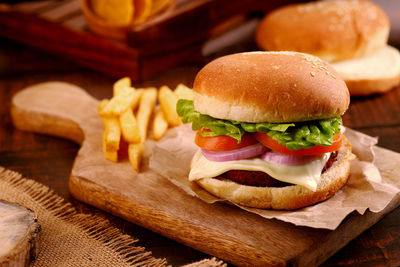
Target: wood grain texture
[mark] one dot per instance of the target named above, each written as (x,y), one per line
(18,235)
(151,201)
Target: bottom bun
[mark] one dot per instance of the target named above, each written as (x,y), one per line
(288,197)
(373,74)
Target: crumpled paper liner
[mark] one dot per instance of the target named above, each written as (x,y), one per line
(365,189)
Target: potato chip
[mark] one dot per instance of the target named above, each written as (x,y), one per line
(142,10)
(159,5)
(118,12)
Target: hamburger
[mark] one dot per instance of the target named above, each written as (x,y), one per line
(269,129)
(350,34)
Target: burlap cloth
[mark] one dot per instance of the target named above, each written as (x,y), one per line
(69,238)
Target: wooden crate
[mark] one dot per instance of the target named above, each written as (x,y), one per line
(59,28)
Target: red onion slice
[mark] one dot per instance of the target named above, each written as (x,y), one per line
(241,153)
(275,157)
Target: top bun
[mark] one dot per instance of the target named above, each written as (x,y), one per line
(331,30)
(270,87)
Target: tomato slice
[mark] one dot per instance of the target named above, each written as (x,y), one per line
(223,142)
(274,145)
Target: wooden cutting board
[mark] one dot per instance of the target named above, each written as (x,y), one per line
(151,201)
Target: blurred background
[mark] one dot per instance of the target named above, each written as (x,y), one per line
(168,33)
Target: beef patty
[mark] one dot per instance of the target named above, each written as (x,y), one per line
(257,178)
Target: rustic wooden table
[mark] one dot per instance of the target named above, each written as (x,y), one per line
(49,159)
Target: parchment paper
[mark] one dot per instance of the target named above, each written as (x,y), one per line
(365,189)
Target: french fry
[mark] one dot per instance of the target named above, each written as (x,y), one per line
(135,152)
(168,101)
(136,98)
(183,92)
(129,126)
(146,106)
(108,154)
(119,103)
(118,117)
(136,95)
(101,106)
(119,85)
(160,124)
(112,133)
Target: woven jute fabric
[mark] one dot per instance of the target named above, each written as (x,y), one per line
(69,238)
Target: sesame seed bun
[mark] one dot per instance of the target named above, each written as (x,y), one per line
(270,87)
(331,30)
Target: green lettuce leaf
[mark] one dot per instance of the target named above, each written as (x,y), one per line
(292,135)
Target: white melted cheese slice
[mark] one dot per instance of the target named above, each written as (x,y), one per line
(307,175)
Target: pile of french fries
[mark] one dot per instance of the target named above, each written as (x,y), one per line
(129,114)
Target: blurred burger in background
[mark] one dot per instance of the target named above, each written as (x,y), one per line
(350,34)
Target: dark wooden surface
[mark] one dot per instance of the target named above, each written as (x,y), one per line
(49,159)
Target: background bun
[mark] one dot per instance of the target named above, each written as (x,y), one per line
(288,197)
(270,87)
(373,74)
(331,30)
